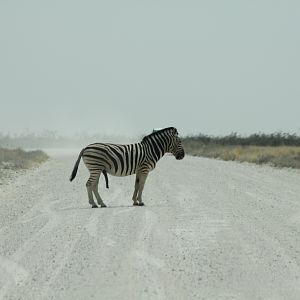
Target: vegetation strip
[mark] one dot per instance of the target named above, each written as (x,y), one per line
(277,149)
(19,159)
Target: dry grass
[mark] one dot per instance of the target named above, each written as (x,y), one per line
(281,156)
(20,159)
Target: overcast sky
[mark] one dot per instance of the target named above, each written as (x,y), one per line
(125,67)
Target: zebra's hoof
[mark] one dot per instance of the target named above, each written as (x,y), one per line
(141,204)
(103,205)
(94,206)
(135,204)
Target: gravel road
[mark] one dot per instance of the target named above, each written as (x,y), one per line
(210,230)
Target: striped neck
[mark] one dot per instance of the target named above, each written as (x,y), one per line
(156,146)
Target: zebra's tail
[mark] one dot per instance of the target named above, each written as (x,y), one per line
(106,178)
(74,172)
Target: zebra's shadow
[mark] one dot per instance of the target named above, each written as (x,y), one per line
(89,207)
(73,208)
(120,206)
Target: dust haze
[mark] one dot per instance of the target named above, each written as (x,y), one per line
(118,68)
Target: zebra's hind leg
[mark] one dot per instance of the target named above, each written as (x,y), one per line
(90,193)
(96,193)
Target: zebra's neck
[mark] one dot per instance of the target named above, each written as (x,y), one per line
(155,147)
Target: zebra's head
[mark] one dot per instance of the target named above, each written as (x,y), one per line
(176,147)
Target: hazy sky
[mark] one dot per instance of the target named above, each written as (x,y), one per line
(124,67)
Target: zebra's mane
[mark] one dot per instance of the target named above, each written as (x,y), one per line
(145,138)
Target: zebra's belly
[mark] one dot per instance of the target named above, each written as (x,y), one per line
(119,174)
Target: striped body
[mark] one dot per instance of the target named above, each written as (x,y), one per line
(117,160)
(123,160)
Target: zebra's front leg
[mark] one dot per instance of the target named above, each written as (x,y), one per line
(142,180)
(136,189)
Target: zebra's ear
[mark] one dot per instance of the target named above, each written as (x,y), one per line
(175,132)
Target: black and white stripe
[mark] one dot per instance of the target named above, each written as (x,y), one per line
(123,160)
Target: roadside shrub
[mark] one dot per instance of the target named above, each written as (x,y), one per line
(279,156)
(20,159)
(257,139)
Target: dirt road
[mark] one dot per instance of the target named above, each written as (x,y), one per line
(210,230)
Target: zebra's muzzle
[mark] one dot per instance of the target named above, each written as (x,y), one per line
(180,155)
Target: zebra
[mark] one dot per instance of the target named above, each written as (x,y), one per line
(122,160)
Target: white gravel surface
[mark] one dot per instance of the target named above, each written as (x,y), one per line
(210,230)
